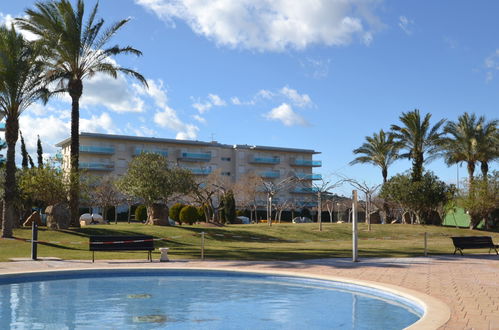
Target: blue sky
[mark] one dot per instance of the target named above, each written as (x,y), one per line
(318,74)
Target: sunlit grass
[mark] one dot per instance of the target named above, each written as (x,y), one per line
(251,242)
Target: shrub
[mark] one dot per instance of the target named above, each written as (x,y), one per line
(189,214)
(141,213)
(201,216)
(174,211)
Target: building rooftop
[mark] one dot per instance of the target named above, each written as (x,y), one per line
(188,142)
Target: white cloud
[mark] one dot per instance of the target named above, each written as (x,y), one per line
(199,119)
(285,94)
(114,94)
(316,68)
(263,93)
(202,107)
(166,116)
(8,20)
(216,100)
(140,131)
(51,129)
(300,100)
(491,65)
(235,100)
(213,101)
(285,114)
(405,24)
(272,25)
(99,124)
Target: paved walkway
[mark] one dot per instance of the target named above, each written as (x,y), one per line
(468,285)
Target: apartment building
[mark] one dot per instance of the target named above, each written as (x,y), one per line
(106,154)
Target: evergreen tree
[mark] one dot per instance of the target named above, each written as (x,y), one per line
(229,207)
(24,153)
(39,151)
(31,163)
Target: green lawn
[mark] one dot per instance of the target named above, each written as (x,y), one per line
(253,242)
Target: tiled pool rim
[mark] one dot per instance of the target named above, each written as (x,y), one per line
(435,312)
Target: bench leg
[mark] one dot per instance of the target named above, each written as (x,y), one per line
(150,256)
(93,256)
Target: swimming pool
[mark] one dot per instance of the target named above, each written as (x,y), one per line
(194,299)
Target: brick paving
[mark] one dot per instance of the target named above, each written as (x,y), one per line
(468,285)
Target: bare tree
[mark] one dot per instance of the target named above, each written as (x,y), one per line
(271,189)
(369,191)
(322,188)
(209,193)
(106,195)
(248,191)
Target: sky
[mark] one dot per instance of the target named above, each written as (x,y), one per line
(313,74)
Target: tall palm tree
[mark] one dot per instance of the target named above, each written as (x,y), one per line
(488,145)
(419,139)
(21,84)
(461,143)
(77,52)
(379,150)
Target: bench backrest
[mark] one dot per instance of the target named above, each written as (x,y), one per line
(469,242)
(116,243)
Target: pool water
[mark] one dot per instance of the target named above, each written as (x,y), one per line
(182,299)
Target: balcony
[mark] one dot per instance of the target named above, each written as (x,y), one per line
(308,176)
(96,166)
(306,162)
(195,156)
(138,151)
(97,150)
(270,174)
(199,171)
(305,190)
(265,160)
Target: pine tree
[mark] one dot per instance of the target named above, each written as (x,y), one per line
(24,153)
(31,163)
(39,151)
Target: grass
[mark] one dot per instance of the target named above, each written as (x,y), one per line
(252,242)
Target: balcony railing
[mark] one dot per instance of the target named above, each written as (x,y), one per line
(195,156)
(97,150)
(305,162)
(199,171)
(138,151)
(308,176)
(265,160)
(270,174)
(96,166)
(305,190)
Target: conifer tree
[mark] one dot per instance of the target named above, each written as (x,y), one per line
(39,151)
(24,153)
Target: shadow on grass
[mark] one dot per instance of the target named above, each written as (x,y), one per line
(223,235)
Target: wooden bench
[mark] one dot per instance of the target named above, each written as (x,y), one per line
(121,243)
(473,242)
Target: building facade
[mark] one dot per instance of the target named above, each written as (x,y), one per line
(106,154)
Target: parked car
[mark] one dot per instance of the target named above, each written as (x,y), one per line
(301,220)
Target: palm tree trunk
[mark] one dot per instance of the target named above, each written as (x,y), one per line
(384,172)
(471,171)
(11,136)
(417,167)
(75,88)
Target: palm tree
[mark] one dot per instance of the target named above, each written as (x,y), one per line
(488,145)
(461,144)
(418,139)
(21,84)
(76,52)
(379,150)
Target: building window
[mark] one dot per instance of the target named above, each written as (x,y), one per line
(227,159)
(226,173)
